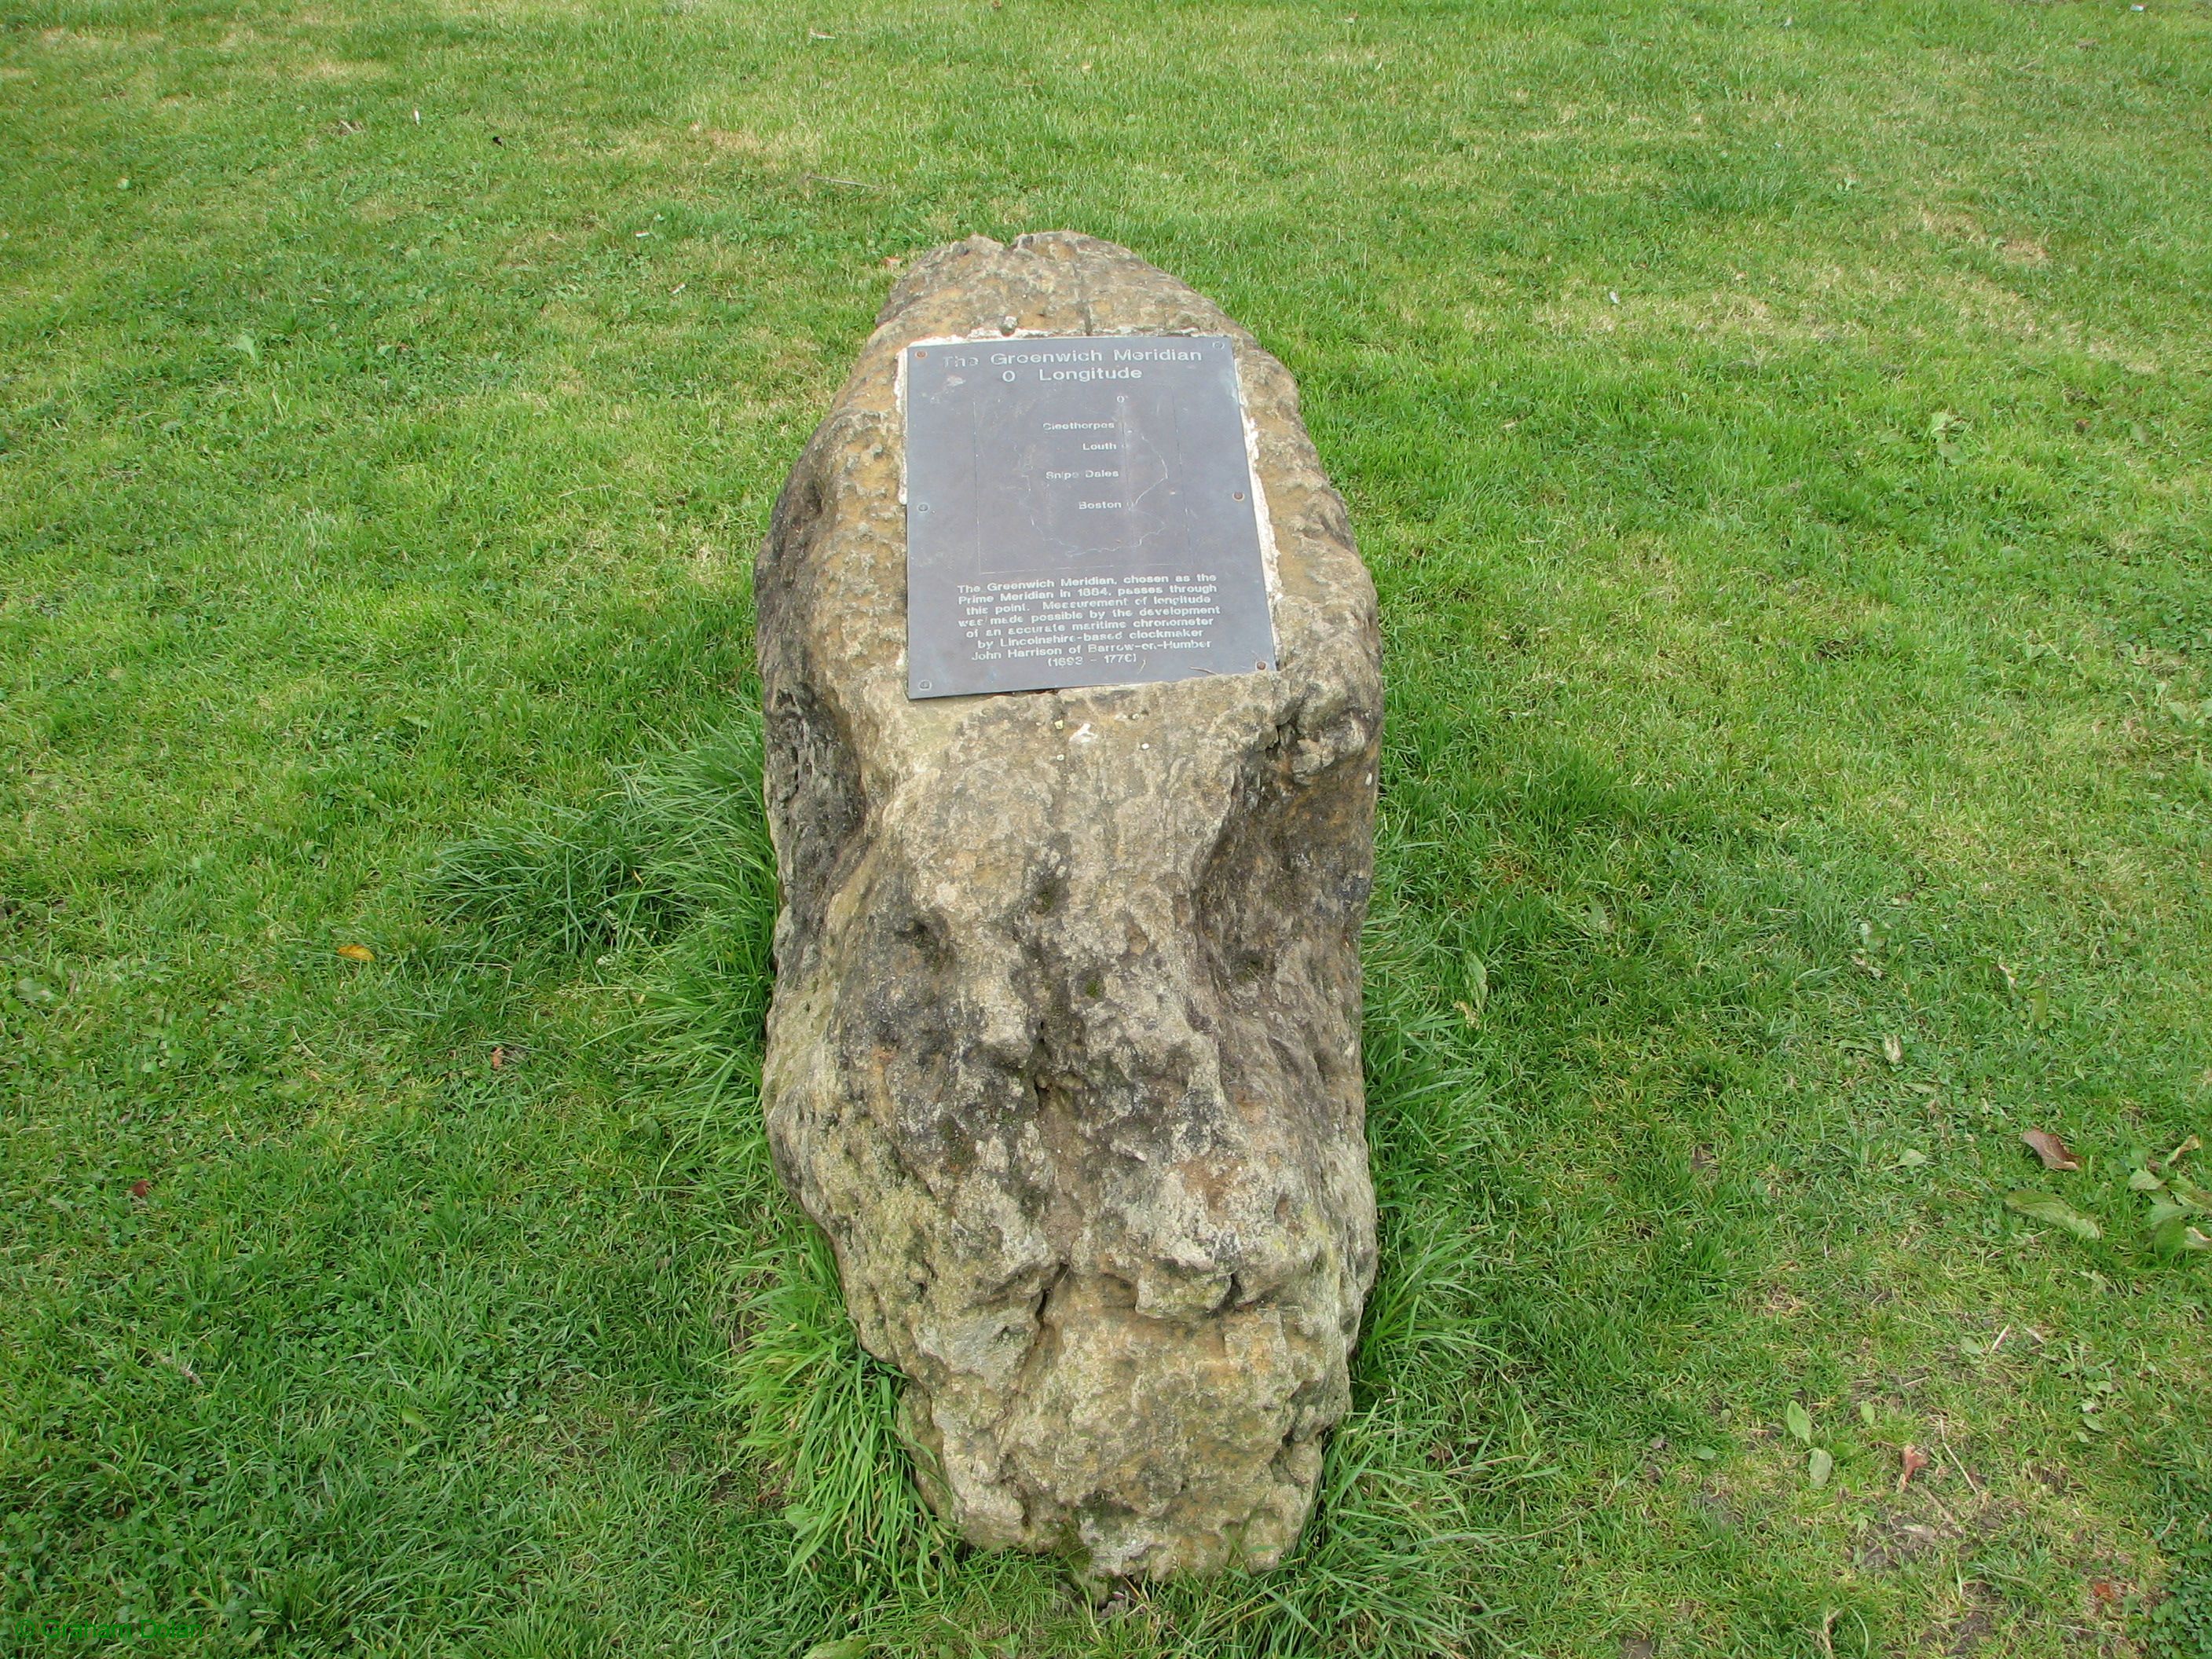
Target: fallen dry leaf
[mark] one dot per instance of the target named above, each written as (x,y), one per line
(140,1189)
(357,953)
(2050,1149)
(1915,1460)
(498,1058)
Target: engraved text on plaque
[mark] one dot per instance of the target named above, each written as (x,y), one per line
(1079,512)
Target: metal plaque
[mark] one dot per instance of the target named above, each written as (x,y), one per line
(1079,511)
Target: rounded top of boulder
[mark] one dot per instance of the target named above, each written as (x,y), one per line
(1049,282)
(845,498)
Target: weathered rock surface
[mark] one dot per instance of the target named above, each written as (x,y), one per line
(1064,1054)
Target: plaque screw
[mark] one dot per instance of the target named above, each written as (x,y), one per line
(1237,494)
(922,507)
(921,354)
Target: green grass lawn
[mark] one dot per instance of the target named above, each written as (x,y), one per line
(1778,432)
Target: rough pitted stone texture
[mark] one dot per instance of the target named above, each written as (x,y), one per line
(1064,1049)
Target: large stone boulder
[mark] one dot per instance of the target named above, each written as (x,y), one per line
(1064,1055)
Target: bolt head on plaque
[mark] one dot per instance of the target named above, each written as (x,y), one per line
(1081,510)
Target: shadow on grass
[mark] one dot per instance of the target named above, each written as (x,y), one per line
(1573,1008)
(672,873)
